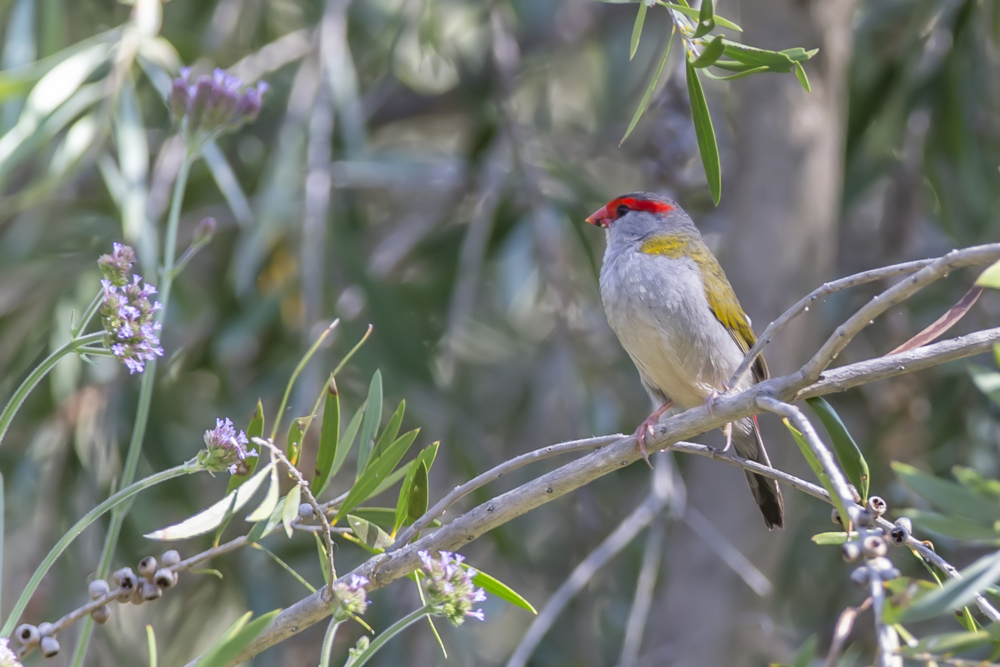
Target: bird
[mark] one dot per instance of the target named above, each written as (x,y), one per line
(674,311)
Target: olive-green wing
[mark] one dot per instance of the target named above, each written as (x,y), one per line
(727,310)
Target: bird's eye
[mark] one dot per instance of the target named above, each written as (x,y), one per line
(622,210)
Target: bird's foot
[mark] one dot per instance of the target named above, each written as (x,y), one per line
(727,431)
(646,428)
(710,399)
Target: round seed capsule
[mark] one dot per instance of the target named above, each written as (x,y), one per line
(98,588)
(135,597)
(45,628)
(905,523)
(170,558)
(880,564)
(164,578)
(876,505)
(150,591)
(835,517)
(27,634)
(124,578)
(49,647)
(865,519)
(147,567)
(860,575)
(873,547)
(306,511)
(890,574)
(851,551)
(101,614)
(898,535)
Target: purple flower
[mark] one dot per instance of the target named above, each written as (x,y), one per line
(7,656)
(225,449)
(449,588)
(127,313)
(212,105)
(351,594)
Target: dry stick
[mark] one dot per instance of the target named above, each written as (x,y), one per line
(880,303)
(824,290)
(657,499)
(385,568)
(643,600)
(496,473)
(888,640)
(842,630)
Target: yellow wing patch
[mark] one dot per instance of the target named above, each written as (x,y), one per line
(718,291)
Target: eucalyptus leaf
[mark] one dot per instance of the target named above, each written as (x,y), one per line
(264,510)
(705,133)
(848,453)
(706,19)
(955,593)
(329,438)
(640,18)
(712,52)
(501,590)
(369,425)
(649,89)
(817,468)
(290,510)
(379,469)
(948,496)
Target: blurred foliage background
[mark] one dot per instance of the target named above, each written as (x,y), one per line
(425,166)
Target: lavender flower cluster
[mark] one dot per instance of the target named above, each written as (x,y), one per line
(449,588)
(226,449)
(212,105)
(127,313)
(7,656)
(351,595)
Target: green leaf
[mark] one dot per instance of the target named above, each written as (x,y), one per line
(987,381)
(369,425)
(254,430)
(775,61)
(293,443)
(807,652)
(347,441)
(848,453)
(404,513)
(262,529)
(706,19)
(733,77)
(649,89)
(956,642)
(235,639)
(694,13)
(706,134)
(151,646)
(290,510)
(379,469)
(501,590)
(208,519)
(817,469)
(640,18)
(264,510)
(329,437)
(391,430)
(946,495)
(800,74)
(955,527)
(324,560)
(369,534)
(834,538)
(712,52)
(955,593)
(976,482)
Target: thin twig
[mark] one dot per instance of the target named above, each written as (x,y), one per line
(643,599)
(842,630)
(888,640)
(729,554)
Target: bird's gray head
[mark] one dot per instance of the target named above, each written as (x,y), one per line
(640,215)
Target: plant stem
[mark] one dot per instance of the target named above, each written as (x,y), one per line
(145,394)
(37,374)
(111,502)
(88,314)
(389,633)
(327,648)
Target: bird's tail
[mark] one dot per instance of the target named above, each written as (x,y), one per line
(747,442)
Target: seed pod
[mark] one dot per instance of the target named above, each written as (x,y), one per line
(125,578)
(306,511)
(905,523)
(860,575)
(135,597)
(45,628)
(890,574)
(101,614)
(851,551)
(98,588)
(876,505)
(835,517)
(865,519)
(170,558)
(873,547)
(880,564)
(27,634)
(150,591)
(165,578)
(49,647)
(898,535)
(147,567)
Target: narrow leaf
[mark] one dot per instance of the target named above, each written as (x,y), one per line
(391,430)
(501,590)
(706,134)
(346,442)
(827,539)
(817,469)
(848,453)
(976,482)
(329,438)
(946,495)
(369,425)
(800,74)
(290,510)
(733,77)
(694,13)
(954,527)
(293,443)
(649,89)
(376,472)
(207,520)
(224,652)
(640,18)
(706,19)
(712,52)
(264,510)
(369,533)
(943,323)
(418,493)
(955,593)
(986,381)
(990,277)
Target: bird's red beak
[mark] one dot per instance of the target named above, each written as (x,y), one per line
(602,217)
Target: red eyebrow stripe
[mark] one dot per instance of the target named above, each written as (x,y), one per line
(650,205)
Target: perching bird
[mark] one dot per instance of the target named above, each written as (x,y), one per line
(675,313)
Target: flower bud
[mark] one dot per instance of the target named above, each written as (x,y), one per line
(147,567)
(860,575)
(27,634)
(98,588)
(851,551)
(178,99)
(205,230)
(876,505)
(165,578)
(49,647)
(873,547)
(101,614)
(170,558)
